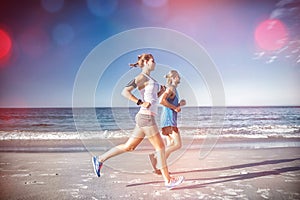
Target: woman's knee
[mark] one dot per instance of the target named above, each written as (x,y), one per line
(129,147)
(160,146)
(157,142)
(176,139)
(178,145)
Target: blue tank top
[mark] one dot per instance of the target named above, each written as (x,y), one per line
(169,116)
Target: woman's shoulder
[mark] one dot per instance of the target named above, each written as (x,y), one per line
(141,77)
(171,87)
(141,81)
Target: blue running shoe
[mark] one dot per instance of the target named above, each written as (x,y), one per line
(97,165)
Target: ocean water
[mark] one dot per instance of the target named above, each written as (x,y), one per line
(199,122)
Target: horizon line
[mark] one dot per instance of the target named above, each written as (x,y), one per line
(229,106)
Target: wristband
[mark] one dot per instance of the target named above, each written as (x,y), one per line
(139,102)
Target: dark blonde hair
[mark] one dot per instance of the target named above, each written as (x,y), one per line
(141,59)
(171,75)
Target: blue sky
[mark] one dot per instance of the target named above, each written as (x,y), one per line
(51,39)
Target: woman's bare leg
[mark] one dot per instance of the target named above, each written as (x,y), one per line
(169,140)
(159,146)
(175,145)
(130,145)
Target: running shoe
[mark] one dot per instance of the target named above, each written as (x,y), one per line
(175,181)
(97,165)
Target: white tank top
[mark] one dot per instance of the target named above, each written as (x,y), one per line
(149,94)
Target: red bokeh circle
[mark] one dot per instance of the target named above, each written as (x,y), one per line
(271,35)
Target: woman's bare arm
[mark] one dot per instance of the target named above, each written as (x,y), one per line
(161,91)
(164,101)
(139,82)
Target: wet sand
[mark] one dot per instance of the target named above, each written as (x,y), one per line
(228,173)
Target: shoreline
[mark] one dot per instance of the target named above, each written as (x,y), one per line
(105,144)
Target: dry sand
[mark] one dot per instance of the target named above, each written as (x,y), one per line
(272,173)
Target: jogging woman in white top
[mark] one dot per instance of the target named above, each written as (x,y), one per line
(145,120)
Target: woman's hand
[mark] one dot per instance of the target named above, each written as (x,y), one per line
(182,102)
(146,104)
(177,109)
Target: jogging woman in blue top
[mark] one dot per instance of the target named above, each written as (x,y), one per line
(171,106)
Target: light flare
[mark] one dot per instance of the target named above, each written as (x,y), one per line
(271,35)
(5,45)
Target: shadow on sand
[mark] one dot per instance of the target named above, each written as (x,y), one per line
(230,178)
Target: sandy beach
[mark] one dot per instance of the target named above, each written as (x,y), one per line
(225,173)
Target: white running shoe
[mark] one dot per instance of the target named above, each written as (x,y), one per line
(174,181)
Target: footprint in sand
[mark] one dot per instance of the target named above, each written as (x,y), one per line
(20,175)
(73,192)
(87,180)
(81,186)
(232,192)
(135,181)
(112,176)
(56,174)
(34,183)
(264,193)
